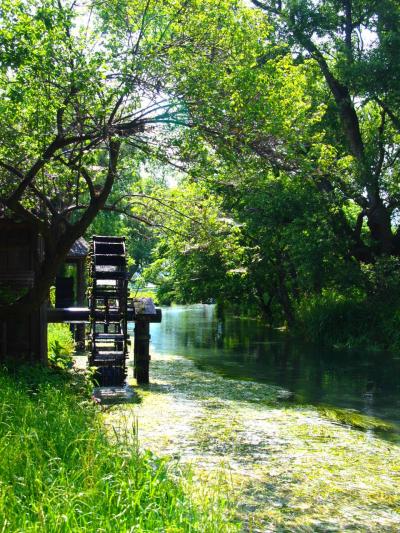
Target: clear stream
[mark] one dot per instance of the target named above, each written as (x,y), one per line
(275,427)
(368,382)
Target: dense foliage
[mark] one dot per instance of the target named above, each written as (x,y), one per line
(276,123)
(82,105)
(296,150)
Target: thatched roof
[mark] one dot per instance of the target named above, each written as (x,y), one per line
(79,249)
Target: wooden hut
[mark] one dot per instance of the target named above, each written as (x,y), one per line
(22,338)
(70,286)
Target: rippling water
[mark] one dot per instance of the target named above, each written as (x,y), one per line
(242,348)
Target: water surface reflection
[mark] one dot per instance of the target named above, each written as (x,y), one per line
(365,381)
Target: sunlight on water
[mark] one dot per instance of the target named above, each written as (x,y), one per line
(284,466)
(368,382)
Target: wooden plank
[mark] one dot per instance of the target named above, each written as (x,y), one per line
(12,276)
(110,260)
(109,248)
(108,238)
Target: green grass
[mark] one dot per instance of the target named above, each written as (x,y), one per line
(61,345)
(60,472)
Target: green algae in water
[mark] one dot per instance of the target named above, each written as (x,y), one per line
(286,467)
(245,350)
(351,418)
(271,395)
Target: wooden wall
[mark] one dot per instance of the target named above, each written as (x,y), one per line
(21,252)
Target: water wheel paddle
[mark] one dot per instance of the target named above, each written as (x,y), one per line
(108,299)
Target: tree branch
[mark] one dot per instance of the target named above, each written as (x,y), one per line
(395,120)
(142,27)
(347,5)
(11,169)
(49,152)
(84,172)
(159,201)
(275,10)
(381,145)
(44,199)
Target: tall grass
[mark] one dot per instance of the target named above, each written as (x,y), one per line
(59,472)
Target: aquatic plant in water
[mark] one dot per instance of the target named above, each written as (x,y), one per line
(286,467)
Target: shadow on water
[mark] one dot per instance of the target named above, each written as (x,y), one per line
(365,382)
(109,396)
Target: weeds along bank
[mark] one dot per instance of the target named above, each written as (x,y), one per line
(59,471)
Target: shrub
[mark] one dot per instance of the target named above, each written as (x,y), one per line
(61,346)
(353,320)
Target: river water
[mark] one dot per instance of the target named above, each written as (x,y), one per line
(368,382)
(276,428)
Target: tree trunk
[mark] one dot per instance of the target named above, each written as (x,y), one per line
(58,243)
(378,215)
(379,223)
(284,298)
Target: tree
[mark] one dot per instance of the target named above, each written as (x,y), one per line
(278,143)
(200,257)
(79,103)
(363,84)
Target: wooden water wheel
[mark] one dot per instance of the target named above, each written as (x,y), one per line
(108,310)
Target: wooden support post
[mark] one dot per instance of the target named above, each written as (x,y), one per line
(24,337)
(141,351)
(43,355)
(80,300)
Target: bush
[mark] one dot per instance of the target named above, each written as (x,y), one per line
(331,318)
(354,320)
(61,346)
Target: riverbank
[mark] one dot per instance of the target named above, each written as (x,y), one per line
(61,472)
(286,467)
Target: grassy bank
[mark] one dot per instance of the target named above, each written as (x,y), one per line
(59,472)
